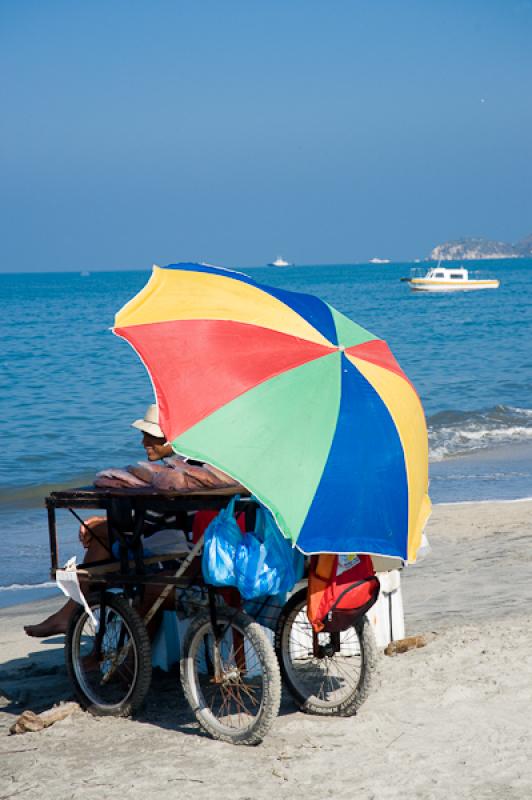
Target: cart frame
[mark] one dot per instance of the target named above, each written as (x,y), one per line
(125,510)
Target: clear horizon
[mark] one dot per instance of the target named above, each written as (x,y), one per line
(233,133)
(468,263)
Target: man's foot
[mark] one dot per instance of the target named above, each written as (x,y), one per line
(49,627)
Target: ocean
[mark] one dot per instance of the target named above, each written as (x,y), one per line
(70,389)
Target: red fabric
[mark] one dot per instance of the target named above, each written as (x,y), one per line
(377,352)
(185,358)
(361,594)
(202,520)
(326,587)
(321,573)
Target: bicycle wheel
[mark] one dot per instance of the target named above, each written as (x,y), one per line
(109,664)
(233,686)
(328,673)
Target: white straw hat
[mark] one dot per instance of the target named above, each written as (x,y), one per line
(150,423)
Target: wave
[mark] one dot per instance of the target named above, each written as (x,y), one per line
(483,502)
(453,433)
(17,587)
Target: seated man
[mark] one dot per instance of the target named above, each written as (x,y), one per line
(93,533)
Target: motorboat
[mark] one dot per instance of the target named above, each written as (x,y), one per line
(449,279)
(280,262)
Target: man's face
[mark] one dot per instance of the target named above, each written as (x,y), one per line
(155,447)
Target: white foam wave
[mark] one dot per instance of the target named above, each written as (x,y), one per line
(455,432)
(451,442)
(526,412)
(484,502)
(29,586)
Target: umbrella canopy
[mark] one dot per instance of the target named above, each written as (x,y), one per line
(301,405)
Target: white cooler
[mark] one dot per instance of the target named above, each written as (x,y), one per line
(387,615)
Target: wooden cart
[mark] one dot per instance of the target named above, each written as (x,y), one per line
(231,665)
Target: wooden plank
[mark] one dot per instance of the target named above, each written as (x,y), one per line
(92,497)
(89,570)
(103,494)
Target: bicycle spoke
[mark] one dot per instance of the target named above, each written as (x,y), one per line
(232,698)
(328,676)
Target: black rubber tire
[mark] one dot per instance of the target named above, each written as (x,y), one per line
(258,697)
(327,686)
(124,691)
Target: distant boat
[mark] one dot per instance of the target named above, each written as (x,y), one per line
(84,274)
(379,261)
(449,279)
(280,262)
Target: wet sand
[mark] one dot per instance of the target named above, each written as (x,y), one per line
(450,720)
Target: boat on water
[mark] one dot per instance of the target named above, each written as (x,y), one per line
(379,261)
(449,279)
(280,262)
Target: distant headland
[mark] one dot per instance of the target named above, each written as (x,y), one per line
(475,248)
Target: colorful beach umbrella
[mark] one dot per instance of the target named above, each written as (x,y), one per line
(308,410)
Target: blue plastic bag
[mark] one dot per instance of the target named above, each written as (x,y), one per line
(266,563)
(258,563)
(222,539)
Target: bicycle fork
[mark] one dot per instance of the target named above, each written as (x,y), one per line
(222,675)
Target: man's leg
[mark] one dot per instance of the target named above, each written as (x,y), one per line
(57,623)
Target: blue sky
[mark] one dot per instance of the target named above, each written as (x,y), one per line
(231,132)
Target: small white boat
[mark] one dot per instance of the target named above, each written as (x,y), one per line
(449,279)
(280,262)
(379,261)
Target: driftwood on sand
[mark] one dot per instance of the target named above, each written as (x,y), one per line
(29,722)
(410,643)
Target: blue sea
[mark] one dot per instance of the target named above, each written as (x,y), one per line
(70,389)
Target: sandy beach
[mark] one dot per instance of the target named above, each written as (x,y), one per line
(451,720)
